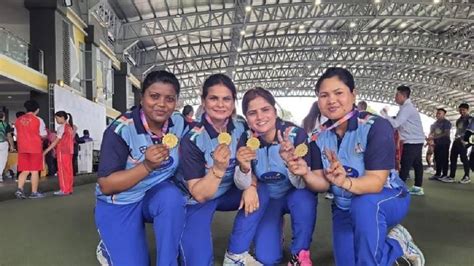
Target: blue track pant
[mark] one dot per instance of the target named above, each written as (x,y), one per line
(122,227)
(301,204)
(196,243)
(360,234)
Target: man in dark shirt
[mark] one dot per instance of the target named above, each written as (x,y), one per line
(459,145)
(439,133)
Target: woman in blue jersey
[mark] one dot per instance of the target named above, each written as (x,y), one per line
(288,193)
(359,159)
(208,168)
(134,179)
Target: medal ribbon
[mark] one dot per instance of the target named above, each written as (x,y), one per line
(156,138)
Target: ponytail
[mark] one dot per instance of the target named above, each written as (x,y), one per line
(70,120)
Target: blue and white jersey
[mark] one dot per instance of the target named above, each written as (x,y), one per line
(269,167)
(123,147)
(368,144)
(198,146)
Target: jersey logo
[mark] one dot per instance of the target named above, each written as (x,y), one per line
(196,131)
(351,172)
(272,176)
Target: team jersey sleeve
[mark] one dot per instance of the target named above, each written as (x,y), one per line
(114,153)
(192,163)
(380,149)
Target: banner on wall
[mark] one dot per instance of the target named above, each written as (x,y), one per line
(85,113)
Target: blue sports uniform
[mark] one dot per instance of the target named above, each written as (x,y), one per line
(361,222)
(120,217)
(301,204)
(196,244)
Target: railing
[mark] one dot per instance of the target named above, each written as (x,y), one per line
(20,50)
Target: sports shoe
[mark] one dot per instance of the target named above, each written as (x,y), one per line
(434,177)
(302,259)
(411,252)
(417,191)
(19,194)
(102,255)
(465,180)
(240,259)
(60,193)
(36,195)
(430,170)
(329,196)
(447,179)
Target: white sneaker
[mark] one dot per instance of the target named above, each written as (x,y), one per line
(240,259)
(430,170)
(329,196)
(101,254)
(411,252)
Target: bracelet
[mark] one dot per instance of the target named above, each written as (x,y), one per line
(149,170)
(350,181)
(214,173)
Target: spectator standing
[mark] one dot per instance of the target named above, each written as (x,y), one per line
(459,145)
(64,152)
(439,134)
(29,130)
(85,137)
(6,143)
(408,124)
(362,106)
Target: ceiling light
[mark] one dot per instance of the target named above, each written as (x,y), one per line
(236,62)
(352,24)
(403,25)
(379,42)
(248,8)
(290,44)
(302,27)
(317,2)
(9,97)
(377,1)
(242,32)
(239,49)
(188,54)
(436,1)
(184,38)
(309,66)
(334,42)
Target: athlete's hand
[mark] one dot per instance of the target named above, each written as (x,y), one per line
(221,158)
(286,147)
(336,174)
(155,155)
(244,156)
(249,200)
(298,167)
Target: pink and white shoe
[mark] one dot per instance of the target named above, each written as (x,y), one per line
(302,259)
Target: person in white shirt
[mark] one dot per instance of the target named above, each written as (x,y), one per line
(408,124)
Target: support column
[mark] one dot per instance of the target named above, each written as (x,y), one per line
(46,34)
(92,44)
(121,90)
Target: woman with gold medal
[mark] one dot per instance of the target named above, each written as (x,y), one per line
(139,157)
(260,158)
(358,156)
(208,167)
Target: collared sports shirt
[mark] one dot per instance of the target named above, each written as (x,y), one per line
(123,147)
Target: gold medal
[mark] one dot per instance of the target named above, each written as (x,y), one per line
(224,138)
(170,140)
(253,143)
(301,150)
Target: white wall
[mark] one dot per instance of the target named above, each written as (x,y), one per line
(86,114)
